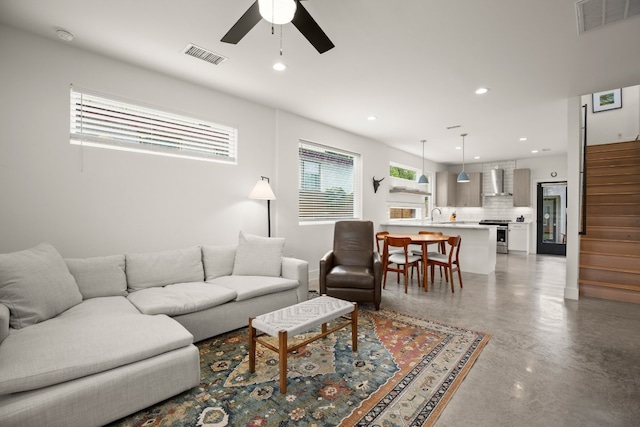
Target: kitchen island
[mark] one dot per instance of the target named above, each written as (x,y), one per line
(478,248)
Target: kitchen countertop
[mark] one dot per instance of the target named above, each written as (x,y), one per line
(478,248)
(438,224)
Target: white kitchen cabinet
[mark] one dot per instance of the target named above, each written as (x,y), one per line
(519,237)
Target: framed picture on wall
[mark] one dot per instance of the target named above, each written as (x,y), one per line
(607,100)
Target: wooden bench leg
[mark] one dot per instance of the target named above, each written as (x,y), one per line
(354,328)
(252,347)
(283,350)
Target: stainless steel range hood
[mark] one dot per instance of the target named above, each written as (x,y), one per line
(497,184)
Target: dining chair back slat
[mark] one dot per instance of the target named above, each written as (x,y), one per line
(403,260)
(450,260)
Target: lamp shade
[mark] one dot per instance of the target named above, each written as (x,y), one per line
(463,177)
(423,179)
(262,191)
(277,12)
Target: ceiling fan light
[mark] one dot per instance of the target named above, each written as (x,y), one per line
(277,12)
(463,177)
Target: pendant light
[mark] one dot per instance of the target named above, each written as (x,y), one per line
(423,178)
(463,176)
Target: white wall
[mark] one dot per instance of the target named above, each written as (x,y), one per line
(92,202)
(623,124)
(310,242)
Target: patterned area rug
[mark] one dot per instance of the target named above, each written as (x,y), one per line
(404,373)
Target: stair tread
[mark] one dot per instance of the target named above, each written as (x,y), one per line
(610,254)
(608,268)
(608,284)
(603,239)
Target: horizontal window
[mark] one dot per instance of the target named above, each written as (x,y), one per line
(108,123)
(329,184)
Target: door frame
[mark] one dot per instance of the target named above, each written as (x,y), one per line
(541,246)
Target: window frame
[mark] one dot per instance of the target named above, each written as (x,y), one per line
(412,199)
(105,121)
(356,183)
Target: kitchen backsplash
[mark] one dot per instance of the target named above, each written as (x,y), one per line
(494,207)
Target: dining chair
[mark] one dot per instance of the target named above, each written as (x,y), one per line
(404,261)
(441,248)
(450,261)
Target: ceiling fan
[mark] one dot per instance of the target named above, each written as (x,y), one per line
(301,19)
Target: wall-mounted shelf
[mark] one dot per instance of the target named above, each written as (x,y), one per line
(408,191)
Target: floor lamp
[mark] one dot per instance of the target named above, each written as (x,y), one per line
(262,191)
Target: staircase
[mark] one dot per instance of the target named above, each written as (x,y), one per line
(610,250)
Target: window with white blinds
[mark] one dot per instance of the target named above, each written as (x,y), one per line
(107,123)
(329,186)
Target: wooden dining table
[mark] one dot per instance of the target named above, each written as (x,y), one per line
(424,240)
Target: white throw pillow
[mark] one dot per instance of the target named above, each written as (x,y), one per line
(258,256)
(100,276)
(218,261)
(36,285)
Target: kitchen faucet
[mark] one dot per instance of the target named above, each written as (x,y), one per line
(435,209)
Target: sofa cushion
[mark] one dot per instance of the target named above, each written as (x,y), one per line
(151,269)
(218,261)
(248,287)
(4,322)
(94,336)
(36,285)
(180,298)
(258,256)
(100,276)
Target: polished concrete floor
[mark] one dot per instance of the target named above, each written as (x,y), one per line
(550,361)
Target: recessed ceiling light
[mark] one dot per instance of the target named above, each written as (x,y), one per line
(372,118)
(482,90)
(458,148)
(279,66)
(534,151)
(524,138)
(476,157)
(65,35)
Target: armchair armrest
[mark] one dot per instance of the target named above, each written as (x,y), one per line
(297,269)
(326,264)
(4,322)
(377,265)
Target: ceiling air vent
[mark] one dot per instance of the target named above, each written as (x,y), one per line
(204,54)
(593,14)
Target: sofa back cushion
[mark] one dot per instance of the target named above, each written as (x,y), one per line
(218,261)
(151,269)
(258,256)
(100,276)
(36,285)
(5,315)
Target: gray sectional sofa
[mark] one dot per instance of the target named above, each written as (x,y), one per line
(84,342)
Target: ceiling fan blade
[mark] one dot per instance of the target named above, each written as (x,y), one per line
(311,30)
(246,22)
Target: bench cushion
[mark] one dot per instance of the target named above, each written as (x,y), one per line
(181,298)
(94,336)
(248,287)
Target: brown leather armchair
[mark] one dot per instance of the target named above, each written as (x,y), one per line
(353,269)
